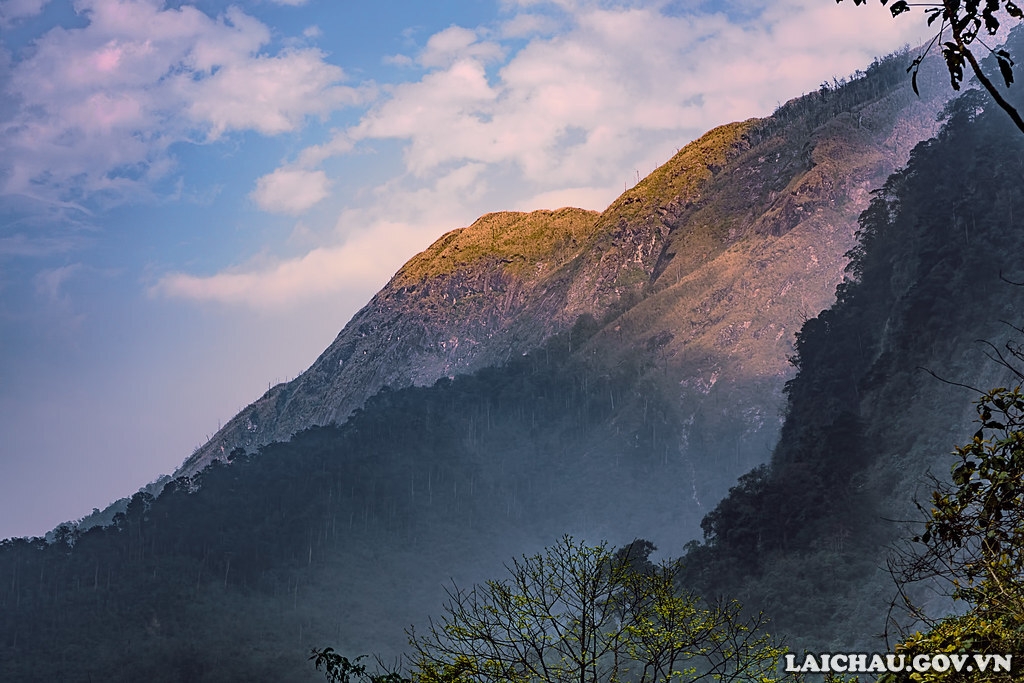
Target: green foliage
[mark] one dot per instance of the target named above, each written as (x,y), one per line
(977,523)
(240,563)
(578,612)
(842,95)
(581,613)
(862,422)
(531,244)
(340,669)
(973,545)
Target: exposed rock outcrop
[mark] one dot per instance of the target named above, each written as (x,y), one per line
(709,264)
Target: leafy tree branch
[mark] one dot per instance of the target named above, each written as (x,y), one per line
(965,19)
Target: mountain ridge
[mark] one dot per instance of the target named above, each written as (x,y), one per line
(506,283)
(868,418)
(632,424)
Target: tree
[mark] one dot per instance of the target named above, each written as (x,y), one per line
(581,614)
(587,614)
(964,19)
(340,669)
(972,547)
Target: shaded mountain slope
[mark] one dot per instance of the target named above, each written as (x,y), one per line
(719,217)
(343,535)
(761,253)
(864,421)
(649,323)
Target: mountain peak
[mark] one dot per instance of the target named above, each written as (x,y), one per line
(753,216)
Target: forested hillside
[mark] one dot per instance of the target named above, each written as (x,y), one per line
(629,423)
(344,534)
(806,537)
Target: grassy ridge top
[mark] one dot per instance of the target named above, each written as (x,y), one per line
(686,173)
(542,240)
(522,241)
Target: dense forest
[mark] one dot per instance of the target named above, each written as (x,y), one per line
(225,573)
(337,536)
(871,410)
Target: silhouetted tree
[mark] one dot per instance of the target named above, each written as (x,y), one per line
(965,19)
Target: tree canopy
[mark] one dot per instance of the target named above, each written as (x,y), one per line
(972,546)
(576,613)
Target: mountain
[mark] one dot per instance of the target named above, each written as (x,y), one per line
(605,375)
(711,263)
(883,393)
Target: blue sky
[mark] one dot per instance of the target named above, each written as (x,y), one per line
(196,196)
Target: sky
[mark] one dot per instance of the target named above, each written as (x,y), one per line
(195,197)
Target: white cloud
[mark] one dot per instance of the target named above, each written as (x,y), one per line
(284,283)
(370,244)
(398,60)
(619,87)
(441,115)
(456,42)
(338,144)
(12,10)
(570,196)
(98,107)
(290,190)
(569,118)
(524,25)
(50,282)
(269,94)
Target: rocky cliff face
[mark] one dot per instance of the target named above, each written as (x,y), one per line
(747,260)
(706,267)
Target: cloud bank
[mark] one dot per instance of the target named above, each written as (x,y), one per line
(556,102)
(98,108)
(563,102)
(290,190)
